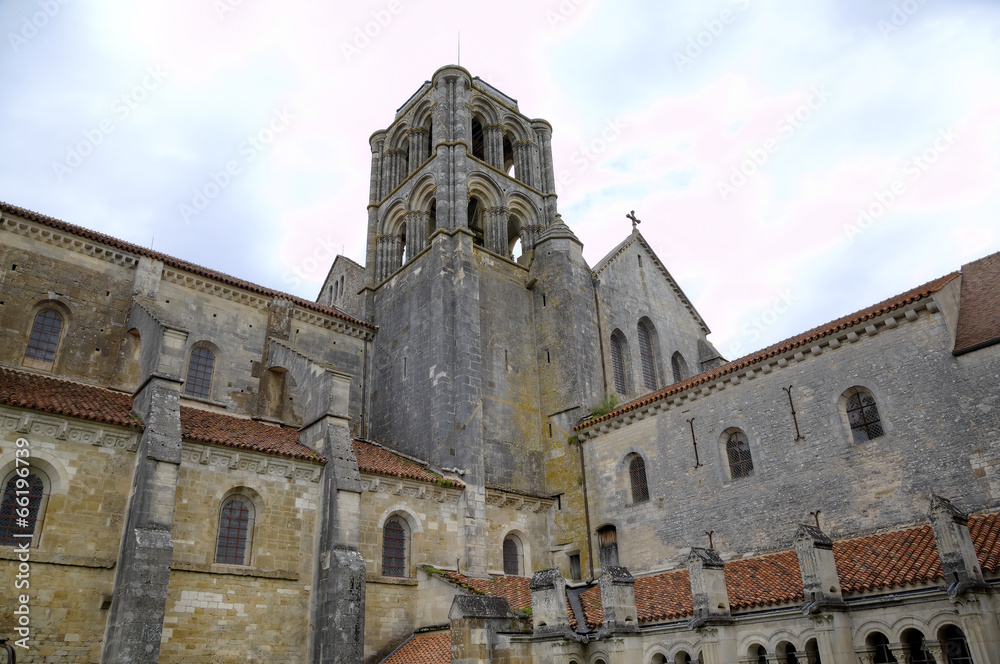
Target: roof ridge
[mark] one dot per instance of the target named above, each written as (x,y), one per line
(178,263)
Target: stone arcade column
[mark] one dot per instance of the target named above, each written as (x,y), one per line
(416,233)
(419,139)
(493,145)
(496,229)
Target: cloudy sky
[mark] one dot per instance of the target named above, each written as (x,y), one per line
(790,162)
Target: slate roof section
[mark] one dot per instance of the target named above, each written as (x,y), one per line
(805,339)
(177,263)
(979,306)
(63,397)
(426,648)
(378,460)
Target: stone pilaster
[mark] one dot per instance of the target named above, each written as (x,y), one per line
(419,139)
(135,619)
(618,600)
(548,602)
(496,229)
(493,145)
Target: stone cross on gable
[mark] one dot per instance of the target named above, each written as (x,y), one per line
(635,222)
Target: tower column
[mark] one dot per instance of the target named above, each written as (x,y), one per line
(416,233)
(418,148)
(493,145)
(496,229)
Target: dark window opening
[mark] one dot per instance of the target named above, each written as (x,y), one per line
(478,147)
(618,365)
(862,414)
(44,337)
(637,475)
(199,378)
(511,557)
(14,528)
(235,524)
(393,548)
(738,453)
(646,353)
(607,539)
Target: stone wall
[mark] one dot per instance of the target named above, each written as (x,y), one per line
(937,412)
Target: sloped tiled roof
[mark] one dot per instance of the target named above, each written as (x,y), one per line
(427,648)
(764,581)
(664,596)
(63,397)
(176,263)
(380,461)
(886,560)
(985,533)
(514,589)
(979,306)
(209,427)
(802,340)
(873,562)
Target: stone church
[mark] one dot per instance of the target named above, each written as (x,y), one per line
(477,447)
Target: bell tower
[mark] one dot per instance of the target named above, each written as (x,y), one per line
(462,195)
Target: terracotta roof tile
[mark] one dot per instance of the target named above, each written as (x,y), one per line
(664,596)
(764,581)
(900,558)
(209,427)
(176,262)
(593,610)
(514,589)
(63,397)
(804,339)
(985,532)
(427,648)
(979,306)
(380,461)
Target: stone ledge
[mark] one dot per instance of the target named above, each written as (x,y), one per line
(236,570)
(389,580)
(11,553)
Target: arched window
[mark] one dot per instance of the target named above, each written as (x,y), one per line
(913,640)
(607,538)
(682,658)
(646,353)
(395,543)
(236,520)
(478,142)
(618,363)
(956,649)
(862,414)
(21,507)
(738,454)
(760,654)
(44,340)
(199,377)
(786,653)
(679,367)
(637,477)
(812,652)
(878,642)
(512,556)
